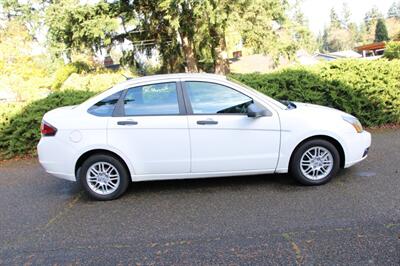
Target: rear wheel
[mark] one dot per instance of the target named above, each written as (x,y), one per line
(104,177)
(315,162)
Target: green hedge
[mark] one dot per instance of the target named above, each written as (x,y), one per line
(19,131)
(64,72)
(370,90)
(92,81)
(392,50)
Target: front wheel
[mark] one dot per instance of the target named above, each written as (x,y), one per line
(104,177)
(315,162)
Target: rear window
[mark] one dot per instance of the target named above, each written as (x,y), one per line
(106,106)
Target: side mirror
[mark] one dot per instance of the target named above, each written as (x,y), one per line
(254,111)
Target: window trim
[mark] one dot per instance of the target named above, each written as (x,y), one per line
(188,103)
(119,110)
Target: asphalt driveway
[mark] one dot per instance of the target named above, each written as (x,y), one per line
(250,220)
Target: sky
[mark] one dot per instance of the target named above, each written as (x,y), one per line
(317,11)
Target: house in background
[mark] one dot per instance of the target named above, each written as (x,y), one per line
(310,59)
(346,54)
(371,50)
(265,63)
(109,63)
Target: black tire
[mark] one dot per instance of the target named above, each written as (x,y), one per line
(124,177)
(295,167)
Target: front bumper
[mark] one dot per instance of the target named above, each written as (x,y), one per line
(357,147)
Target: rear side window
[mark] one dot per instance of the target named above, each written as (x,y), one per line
(154,99)
(106,106)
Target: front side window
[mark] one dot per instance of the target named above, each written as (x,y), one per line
(155,99)
(212,98)
(106,106)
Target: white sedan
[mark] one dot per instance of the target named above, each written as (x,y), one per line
(191,126)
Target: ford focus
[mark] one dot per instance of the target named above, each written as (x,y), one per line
(181,126)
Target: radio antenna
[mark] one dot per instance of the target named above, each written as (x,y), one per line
(127,78)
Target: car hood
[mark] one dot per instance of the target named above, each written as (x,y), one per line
(308,107)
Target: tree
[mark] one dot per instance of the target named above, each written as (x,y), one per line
(187,35)
(381,33)
(394,10)
(346,14)
(392,50)
(338,39)
(28,12)
(341,34)
(76,27)
(179,12)
(371,18)
(334,19)
(15,46)
(217,13)
(299,29)
(393,27)
(266,28)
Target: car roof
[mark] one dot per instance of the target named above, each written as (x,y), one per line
(172,76)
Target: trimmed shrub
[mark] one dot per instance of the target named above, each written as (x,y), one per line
(7,110)
(92,81)
(392,50)
(369,90)
(64,72)
(19,132)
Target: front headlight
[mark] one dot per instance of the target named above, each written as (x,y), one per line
(354,122)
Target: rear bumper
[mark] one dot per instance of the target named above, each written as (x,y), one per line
(65,176)
(357,148)
(56,157)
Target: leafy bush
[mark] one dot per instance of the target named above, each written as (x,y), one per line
(19,131)
(27,90)
(367,89)
(392,50)
(7,110)
(19,122)
(64,72)
(92,81)
(370,90)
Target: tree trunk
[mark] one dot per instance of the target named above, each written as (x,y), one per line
(221,62)
(189,54)
(66,55)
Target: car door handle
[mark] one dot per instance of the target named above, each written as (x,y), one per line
(127,123)
(207,122)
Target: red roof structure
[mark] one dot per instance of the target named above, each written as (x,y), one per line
(372,49)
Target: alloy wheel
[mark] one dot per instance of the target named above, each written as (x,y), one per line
(316,163)
(103,178)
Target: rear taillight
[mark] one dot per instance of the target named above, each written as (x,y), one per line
(47,130)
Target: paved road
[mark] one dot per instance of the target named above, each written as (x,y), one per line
(250,220)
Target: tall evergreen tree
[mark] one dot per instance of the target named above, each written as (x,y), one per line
(346,14)
(381,33)
(334,19)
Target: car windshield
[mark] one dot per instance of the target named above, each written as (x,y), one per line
(278,103)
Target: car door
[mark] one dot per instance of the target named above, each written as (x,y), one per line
(150,127)
(222,137)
